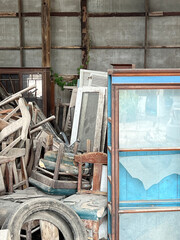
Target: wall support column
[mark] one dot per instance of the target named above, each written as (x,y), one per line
(84,34)
(46,33)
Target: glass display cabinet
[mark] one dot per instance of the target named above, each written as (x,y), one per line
(144,154)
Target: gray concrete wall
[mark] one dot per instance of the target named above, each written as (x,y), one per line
(103,31)
(9,58)
(115,6)
(65,6)
(164,5)
(31,5)
(32,31)
(9,6)
(65,61)
(65,31)
(163,58)
(164,31)
(101,59)
(123,31)
(9,32)
(32,58)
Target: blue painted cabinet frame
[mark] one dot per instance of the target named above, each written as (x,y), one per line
(127,194)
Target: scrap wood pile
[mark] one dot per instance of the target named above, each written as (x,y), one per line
(32,152)
(30,149)
(24,135)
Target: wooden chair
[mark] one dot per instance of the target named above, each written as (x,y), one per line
(13,179)
(90,205)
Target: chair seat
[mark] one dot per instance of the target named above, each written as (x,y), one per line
(88,206)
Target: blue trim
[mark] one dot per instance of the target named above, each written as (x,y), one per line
(145,153)
(146,79)
(150,204)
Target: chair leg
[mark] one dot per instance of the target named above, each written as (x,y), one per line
(95,228)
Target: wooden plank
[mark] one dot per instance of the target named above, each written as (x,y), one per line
(44,121)
(46,36)
(84,34)
(26,118)
(48,231)
(38,153)
(58,161)
(11,128)
(27,151)
(24,172)
(10,177)
(16,95)
(2,185)
(3,124)
(11,145)
(16,179)
(12,112)
(16,152)
(20,32)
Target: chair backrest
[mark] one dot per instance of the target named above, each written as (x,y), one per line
(97,159)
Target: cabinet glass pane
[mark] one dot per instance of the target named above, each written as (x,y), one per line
(149,118)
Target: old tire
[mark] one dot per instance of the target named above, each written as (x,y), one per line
(60,213)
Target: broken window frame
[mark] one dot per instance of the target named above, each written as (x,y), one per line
(47,94)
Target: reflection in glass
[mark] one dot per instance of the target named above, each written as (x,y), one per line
(149,118)
(33,95)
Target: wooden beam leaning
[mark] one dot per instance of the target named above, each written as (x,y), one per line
(84,33)
(46,36)
(20,32)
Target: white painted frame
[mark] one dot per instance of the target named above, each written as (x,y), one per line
(99,117)
(86,77)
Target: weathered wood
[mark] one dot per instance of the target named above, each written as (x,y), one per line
(10,176)
(11,128)
(31,161)
(36,130)
(80,176)
(49,143)
(58,161)
(97,159)
(28,147)
(15,152)
(48,231)
(38,153)
(26,117)
(14,169)
(46,36)
(12,112)
(20,32)
(88,145)
(84,34)
(10,99)
(76,144)
(44,121)
(3,124)
(24,172)
(2,185)
(11,145)
(16,95)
